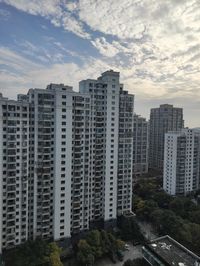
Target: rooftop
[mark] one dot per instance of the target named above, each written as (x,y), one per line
(172,252)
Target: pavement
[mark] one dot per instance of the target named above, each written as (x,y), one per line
(134,253)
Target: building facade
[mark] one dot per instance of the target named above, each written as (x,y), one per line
(66,159)
(162,120)
(182,162)
(112,121)
(140,146)
(14,175)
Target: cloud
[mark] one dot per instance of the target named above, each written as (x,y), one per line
(154,44)
(13,60)
(105,48)
(36,7)
(71,5)
(21,73)
(55,11)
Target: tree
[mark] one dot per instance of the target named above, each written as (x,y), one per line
(126,229)
(90,260)
(145,188)
(84,252)
(54,257)
(135,262)
(156,218)
(128,262)
(31,253)
(194,216)
(94,240)
(177,206)
(171,224)
(195,232)
(163,199)
(105,242)
(120,244)
(130,230)
(144,211)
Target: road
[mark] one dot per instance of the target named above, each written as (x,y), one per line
(134,253)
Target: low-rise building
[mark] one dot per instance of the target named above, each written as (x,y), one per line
(165,251)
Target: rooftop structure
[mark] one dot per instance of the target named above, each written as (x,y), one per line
(167,251)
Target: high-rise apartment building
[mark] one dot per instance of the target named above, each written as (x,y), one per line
(111,163)
(182,161)
(140,146)
(14,172)
(66,159)
(162,120)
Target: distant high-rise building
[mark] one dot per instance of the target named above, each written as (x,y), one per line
(182,161)
(162,120)
(66,159)
(140,146)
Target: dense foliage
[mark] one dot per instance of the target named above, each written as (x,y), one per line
(178,217)
(96,245)
(130,231)
(135,262)
(32,253)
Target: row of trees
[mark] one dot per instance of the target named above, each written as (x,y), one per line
(178,217)
(97,244)
(32,253)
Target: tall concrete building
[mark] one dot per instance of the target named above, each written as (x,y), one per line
(111,163)
(14,172)
(66,159)
(140,146)
(162,120)
(182,162)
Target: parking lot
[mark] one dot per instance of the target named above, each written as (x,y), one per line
(134,253)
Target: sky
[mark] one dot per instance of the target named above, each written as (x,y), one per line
(155,45)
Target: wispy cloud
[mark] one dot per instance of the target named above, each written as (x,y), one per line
(54,10)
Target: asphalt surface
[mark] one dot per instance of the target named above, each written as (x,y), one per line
(134,253)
